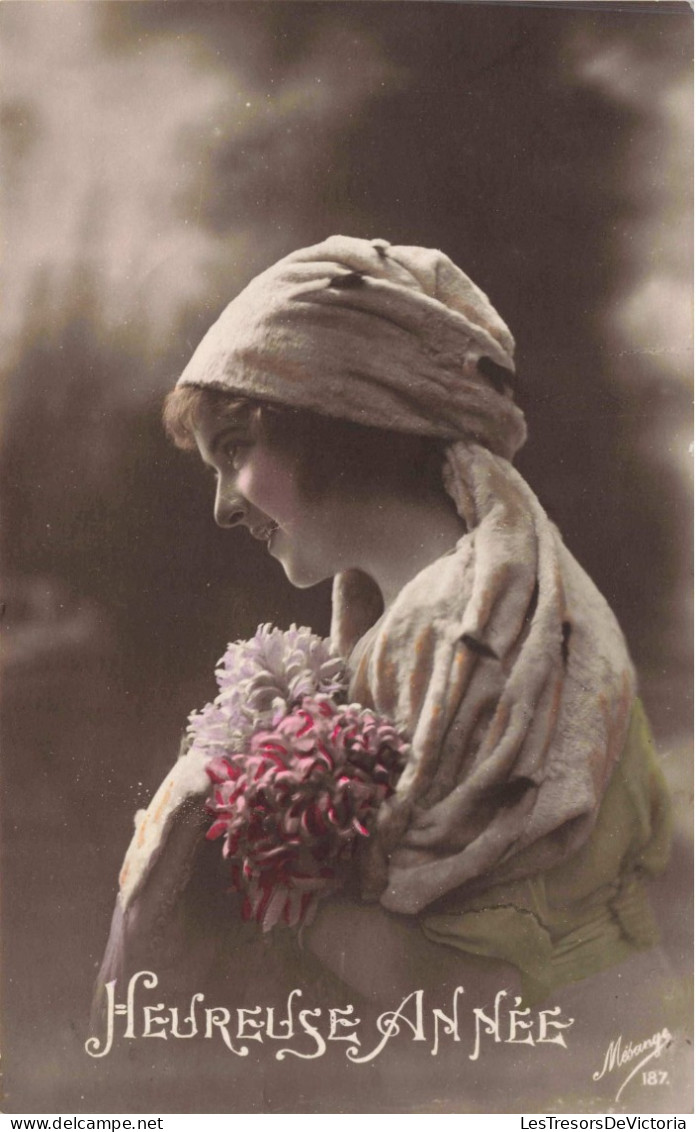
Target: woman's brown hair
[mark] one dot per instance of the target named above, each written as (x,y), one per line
(328,451)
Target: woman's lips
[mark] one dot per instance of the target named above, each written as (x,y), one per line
(265,533)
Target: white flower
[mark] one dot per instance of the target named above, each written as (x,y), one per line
(260,680)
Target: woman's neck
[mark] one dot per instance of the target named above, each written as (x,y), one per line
(399,537)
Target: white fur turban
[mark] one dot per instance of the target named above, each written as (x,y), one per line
(387,336)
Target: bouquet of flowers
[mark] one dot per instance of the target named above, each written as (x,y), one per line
(298,773)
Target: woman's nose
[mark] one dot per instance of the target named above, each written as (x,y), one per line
(229,509)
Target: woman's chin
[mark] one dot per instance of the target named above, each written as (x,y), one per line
(300,575)
(303,581)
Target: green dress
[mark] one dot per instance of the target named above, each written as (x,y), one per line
(588,913)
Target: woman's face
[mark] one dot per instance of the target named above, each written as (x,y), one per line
(257,487)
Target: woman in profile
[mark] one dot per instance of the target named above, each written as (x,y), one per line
(355,404)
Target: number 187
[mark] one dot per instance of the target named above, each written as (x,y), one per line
(655,1077)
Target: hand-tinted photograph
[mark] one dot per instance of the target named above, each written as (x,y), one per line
(346,600)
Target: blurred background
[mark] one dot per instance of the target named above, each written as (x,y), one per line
(156,157)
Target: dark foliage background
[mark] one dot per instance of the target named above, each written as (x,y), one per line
(157,156)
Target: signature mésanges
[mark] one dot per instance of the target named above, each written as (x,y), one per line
(618,1055)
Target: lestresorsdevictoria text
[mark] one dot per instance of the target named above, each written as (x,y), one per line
(603,1123)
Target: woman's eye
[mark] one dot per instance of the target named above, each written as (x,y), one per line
(233,449)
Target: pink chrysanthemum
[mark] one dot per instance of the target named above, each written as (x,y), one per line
(294,807)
